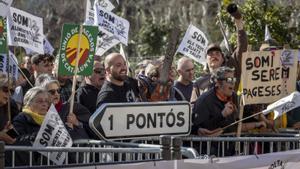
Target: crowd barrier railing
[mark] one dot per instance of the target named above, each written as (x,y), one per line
(231,146)
(92,152)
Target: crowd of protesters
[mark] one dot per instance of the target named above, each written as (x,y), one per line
(213,96)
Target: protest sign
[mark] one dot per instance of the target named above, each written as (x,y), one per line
(53,134)
(48,49)
(112,24)
(90,13)
(194,44)
(13,65)
(25,30)
(104,43)
(68,49)
(4,7)
(3,36)
(268,76)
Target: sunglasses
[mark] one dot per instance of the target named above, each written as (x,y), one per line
(52,91)
(5,90)
(99,71)
(229,79)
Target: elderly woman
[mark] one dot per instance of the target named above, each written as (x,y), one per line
(36,105)
(4,115)
(76,122)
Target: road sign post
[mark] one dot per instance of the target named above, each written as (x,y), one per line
(133,120)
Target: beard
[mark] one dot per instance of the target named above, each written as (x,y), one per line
(118,76)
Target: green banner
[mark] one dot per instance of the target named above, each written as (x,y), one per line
(68,50)
(3,35)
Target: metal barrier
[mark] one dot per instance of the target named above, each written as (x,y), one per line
(230,146)
(94,152)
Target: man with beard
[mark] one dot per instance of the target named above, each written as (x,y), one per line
(87,93)
(116,88)
(215,59)
(216,107)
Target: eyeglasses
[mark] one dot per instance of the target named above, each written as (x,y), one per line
(41,101)
(52,91)
(229,79)
(101,71)
(5,89)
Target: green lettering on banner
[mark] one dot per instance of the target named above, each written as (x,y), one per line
(3,35)
(68,49)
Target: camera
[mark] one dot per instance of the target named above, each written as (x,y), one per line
(234,11)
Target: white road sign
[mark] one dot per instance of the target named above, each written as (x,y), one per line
(132,120)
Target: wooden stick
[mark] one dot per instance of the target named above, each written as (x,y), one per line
(75,72)
(236,122)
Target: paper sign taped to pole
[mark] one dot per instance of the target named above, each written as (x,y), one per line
(25,30)
(112,24)
(194,44)
(53,134)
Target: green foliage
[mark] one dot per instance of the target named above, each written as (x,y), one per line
(257,14)
(152,38)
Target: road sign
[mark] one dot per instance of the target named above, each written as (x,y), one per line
(132,120)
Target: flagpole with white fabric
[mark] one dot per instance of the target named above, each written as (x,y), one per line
(279,107)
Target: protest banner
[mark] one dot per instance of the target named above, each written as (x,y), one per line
(48,49)
(25,30)
(3,36)
(104,43)
(112,24)
(194,44)
(4,7)
(90,13)
(53,134)
(69,44)
(268,76)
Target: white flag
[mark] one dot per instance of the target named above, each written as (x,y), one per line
(26,30)
(53,134)
(112,24)
(4,7)
(48,49)
(104,43)
(13,65)
(194,44)
(267,33)
(284,105)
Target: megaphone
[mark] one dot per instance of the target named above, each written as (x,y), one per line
(234,11)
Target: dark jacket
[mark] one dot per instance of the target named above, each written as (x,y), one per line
(207,112)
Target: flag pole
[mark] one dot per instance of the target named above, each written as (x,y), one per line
(75,72)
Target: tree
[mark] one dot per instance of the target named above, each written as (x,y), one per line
(257,14)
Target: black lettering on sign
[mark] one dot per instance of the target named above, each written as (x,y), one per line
(107,16)
(170,119)
(199,38)
(260,91)
(46,135)
(130,120)
(140,121)
(20,19)
(151,120)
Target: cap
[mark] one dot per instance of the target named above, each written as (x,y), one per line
(213,47)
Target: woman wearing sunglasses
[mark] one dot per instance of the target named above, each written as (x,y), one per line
(76,122)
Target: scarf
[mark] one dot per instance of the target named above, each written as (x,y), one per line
(35,116)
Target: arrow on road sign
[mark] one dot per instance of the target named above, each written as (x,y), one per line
(133,120)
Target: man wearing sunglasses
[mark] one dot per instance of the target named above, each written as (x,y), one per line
(87,93)
(216,108)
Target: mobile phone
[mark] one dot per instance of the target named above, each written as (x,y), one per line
(12,133)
